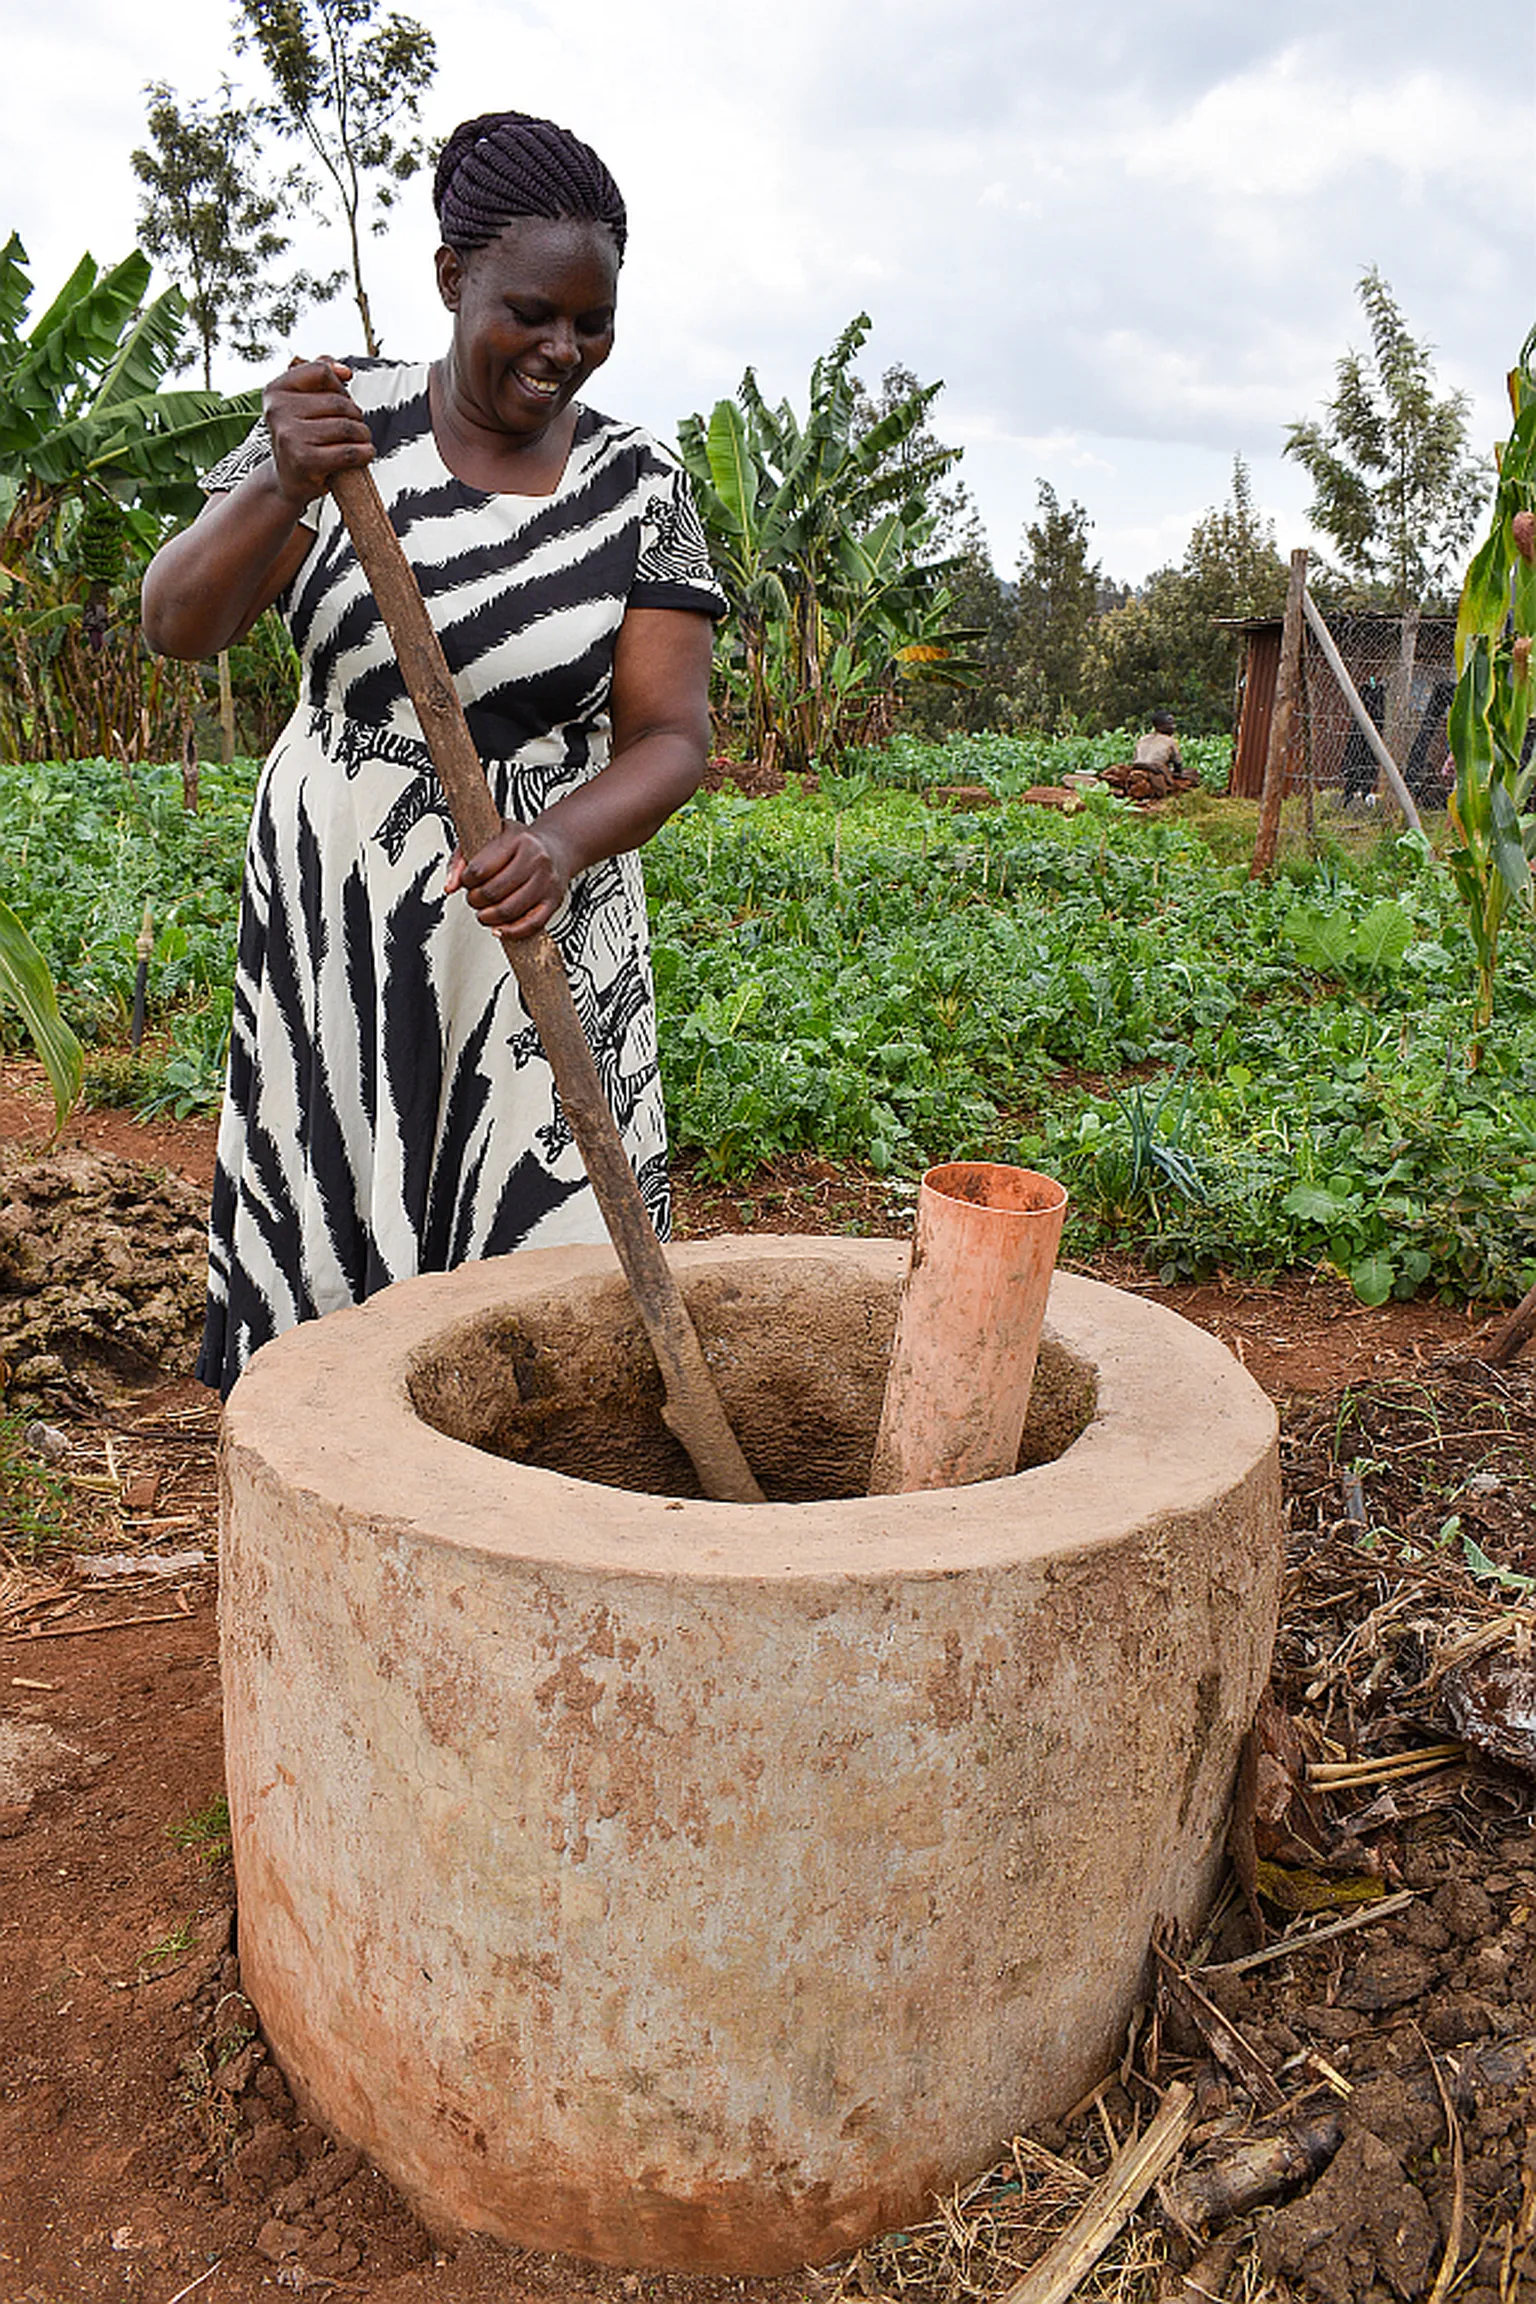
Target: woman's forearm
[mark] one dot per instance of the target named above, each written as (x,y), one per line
(207,586)
(627,802)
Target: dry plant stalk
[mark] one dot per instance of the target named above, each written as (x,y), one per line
(1222,2037)
(1303,1940)
(1452,2252)
(1388,1768)
(1115,2198)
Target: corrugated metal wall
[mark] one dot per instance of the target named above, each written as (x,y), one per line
(1261,669)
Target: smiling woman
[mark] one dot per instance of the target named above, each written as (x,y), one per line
(388,1109)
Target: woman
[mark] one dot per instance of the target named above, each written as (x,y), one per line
(388,1109)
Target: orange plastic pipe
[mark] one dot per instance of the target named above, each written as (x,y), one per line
(968,1332)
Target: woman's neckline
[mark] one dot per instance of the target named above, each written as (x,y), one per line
(578,412)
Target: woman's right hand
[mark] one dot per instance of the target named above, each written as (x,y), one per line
(206,587)
(316,428)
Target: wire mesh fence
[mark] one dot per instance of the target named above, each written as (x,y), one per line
(1403,670)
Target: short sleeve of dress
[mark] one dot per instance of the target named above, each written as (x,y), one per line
(673,570)
(254,451)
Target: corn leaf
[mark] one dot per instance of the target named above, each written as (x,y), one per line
(26,983)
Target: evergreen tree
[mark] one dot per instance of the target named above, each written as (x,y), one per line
(1395,486)
(1165,647)
(1056,605)
(213,222)
(351,89)
(980,603)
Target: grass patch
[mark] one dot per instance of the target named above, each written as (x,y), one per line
(171,1946)
(205,1834)
(208,1832)
(36,1508)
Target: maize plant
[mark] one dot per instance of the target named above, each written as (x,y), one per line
(26,985)
(1490,720)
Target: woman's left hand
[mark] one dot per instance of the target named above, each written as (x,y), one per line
(660,703)
(516,883)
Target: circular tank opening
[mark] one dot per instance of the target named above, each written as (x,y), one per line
(799,1350)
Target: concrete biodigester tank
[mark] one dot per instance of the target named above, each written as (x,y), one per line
(704,1885)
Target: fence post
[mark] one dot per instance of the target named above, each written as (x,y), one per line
(1281,720)
(226,707)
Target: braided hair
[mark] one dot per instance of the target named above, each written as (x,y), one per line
(509,164)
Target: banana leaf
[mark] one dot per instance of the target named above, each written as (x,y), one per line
(145,353)
(733,468)
(155,440)
(15,287)
(77,337)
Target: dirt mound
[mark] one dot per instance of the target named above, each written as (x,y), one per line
(1134,781)
(102,1272)
(754,779)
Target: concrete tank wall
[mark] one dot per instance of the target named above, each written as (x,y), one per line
(704,1885)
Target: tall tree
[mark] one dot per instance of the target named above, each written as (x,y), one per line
(1056,602)
(213,220)
(1395,486)
(1165,646)
(980,603)
(351,89)
(981,606)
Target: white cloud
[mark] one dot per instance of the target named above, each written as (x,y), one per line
(1128,240)
(1290,128)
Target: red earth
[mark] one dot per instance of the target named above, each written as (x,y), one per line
(150,2150)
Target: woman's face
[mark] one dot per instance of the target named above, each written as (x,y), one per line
(532,318)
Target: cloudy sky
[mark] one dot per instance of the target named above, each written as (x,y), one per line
(1127,237)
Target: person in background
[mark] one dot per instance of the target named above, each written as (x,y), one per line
(1159,749)
(1157,770)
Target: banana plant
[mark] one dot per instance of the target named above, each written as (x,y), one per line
(80,397)
(94,459)
(819,531)
(26,984)
(1490,718)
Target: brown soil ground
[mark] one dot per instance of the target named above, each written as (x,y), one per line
(1385,2076)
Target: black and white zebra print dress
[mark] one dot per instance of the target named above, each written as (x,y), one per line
(388,1108)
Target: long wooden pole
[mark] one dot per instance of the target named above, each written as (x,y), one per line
(1516,1332)
(1277,759)
(1362,718)
(691,1407)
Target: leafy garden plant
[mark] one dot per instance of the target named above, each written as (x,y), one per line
(28,987)
(1225,1075)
